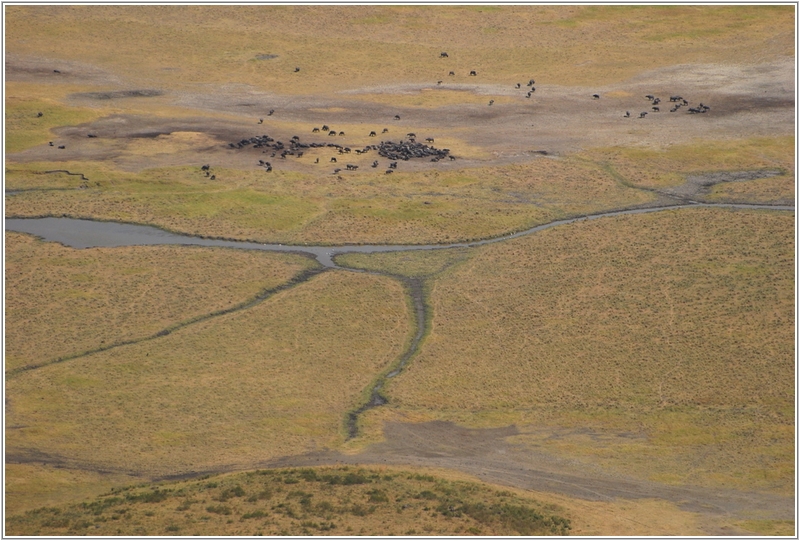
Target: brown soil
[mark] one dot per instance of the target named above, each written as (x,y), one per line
(744,101)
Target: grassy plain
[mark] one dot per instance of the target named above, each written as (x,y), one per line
(669,335)
(340,47)
(291,207)
(61,301)
(272,380)
(659,168)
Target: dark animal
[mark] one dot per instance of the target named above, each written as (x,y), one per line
(205,167)
(351,167)
(213,177)
(491,102)
(315,130)
(56,71)
(451,73)
(596,96)
(518,85)
(260,120)
(375,163)
(531,83)
(397,117)
(341,133)
(438,82)
(627,114)
(389,171)
(443,55)
(393,165)
(325,128)
(533,89)
(90,135)
(656,109)
(385,130)
(50,143)
(270,112)
(675,98)
(429,140)
(411,135)
(373,134)
(62,147)
(528,95)
(336,171)
(295,138)
(642,114)
(452,157)
(333,160)
(332,132)
(296,70)
(656,101)
(316,161)
(650,97)
(473,73)
(39,115)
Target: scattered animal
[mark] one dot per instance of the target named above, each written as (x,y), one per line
(438,82)
(643,114)
(451,73)
(336,171)
(315,130)
(411,135)
(316,161)
(270,112)
(62,147)
(333,160)
(373,134)
(656,109)
(627,114)
(429,140)
(351,167)
(332,132)
(650,97)
(90,135)
(260,120)
(397,117)
(443,55)
(56,71)
(528,95)
(296,70)
(375,163)
(518,85)
(341,133)
(213,177)
(473,73)
(389,171)
(325,128)
(596,96)
(50,143)
(533,89)
(491,102)
(39,115)
(385,130)
(205,167)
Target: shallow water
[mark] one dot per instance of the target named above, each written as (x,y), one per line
(88,234)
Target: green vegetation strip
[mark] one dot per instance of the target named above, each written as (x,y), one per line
(308,501)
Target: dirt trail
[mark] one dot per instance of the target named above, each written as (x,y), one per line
(486,454)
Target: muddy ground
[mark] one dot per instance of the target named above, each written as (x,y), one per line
(745,102)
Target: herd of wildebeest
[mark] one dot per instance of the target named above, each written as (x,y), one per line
(406,149)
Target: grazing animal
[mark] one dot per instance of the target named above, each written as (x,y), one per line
(452,157)
(295,138)
(62,147)
(451,73)
(397,117)
(531,83)
(528,95)
(385,130)
(336,171)
(39,115)
(90,135)
(351,167)
(533,89)
(325,128)
(332,132)
(316,161)
(260,120)
(315,130)
(673,109)
(389,172)
(296,70)
(373,134)
(50,143)
(341,133)
(213,177)
(650,97)
(473,73)
(269,169)
(518,85)
(643,114)
(270,112)
(429,140)
(596,96)
(656,109)
(443,55)
(393,165)
(491,102)
(205,167)
(438,82)
(627,114)
(375,163)
(333,160)
(685,102)
(411,135)
(656,101)
(675,98)
(56,71)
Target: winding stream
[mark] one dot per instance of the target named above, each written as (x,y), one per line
(78,233)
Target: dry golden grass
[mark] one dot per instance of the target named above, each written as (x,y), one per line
(414,264)
(61,301)
(669,167)
(429,207)
(272,380)
(319,501)
(25,129)
(779,189)
(30,486)
(675,328)
(341,47)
